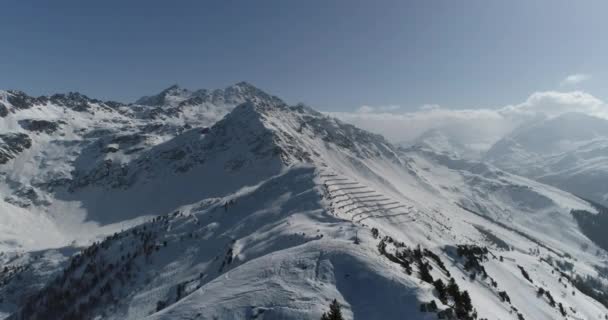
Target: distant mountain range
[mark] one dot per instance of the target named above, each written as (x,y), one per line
(569,151)
(231,204)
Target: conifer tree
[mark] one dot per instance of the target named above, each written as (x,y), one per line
(441,291)
(453,289)
(334,313)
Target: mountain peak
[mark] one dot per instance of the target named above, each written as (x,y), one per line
(170,95)
(248,194)
(174,86)
(304,135)
(231,95)
(244,84)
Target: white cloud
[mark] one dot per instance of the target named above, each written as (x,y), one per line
(553,103)
(478,127)
(429,107)
(575,79)
(387,108)
(399,127)
(366,109)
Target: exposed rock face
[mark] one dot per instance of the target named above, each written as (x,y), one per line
(3,110)
(20,100)
(74,101)
(39,125)
(161,98)
(108,173)
(25,197)
(11,144)
(175,96)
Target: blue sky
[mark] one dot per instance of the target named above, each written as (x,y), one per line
(334,55)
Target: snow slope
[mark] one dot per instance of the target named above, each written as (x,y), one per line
(276,210)
(64,159)
(569,151)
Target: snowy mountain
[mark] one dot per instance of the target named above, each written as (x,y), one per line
(440,142)
(569,151)
(66,157)
(231,204)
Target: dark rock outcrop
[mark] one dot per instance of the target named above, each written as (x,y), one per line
(3,110)
(39,125)
(11,144)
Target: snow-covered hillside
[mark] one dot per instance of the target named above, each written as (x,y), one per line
(440,142)
(271,213)
(569,151)
(68,159)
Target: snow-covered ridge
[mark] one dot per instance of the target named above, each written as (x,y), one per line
(272,212)
(175,96)
(53,147)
